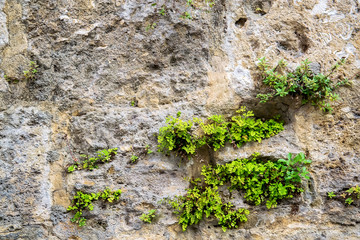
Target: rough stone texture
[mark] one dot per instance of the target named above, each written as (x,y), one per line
(96,57)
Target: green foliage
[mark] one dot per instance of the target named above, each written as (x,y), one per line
(29,74)
(318,89)
(331,194)
(261,181)
(148,27)
(354,192)
(216,132)
(295,168)
(144,151)
(349,201)
(83,201)
(241,129)
(205,200)
(134,158)
(178,135)
(210,3)
(149,217)
(161,11)
(110,196)
(185,15)
(349,195)
(90,163)
(148,150)
(189,3)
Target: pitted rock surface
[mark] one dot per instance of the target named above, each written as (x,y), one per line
(106,81)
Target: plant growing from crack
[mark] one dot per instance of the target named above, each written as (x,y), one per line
(90,163)
(141,153)
(350,195)
(331,195)
(260,181)
(28,75)
(203,200)
(161,11)
(178,135)
(148,217)
(148,149)
(83,201)
(317,89)
(134,158)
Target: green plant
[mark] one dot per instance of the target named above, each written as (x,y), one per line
(29,74)
(144,151)
(318,89)
(90,163)
(261,181)
(148,150)
(331,195)
(110,196)
(349,195)
(216,132)
(211,3)
(83,201)
(134,158)
(203,200)
(148,27)
(162,11)
(349,201)
(259,10)
(178,135)
(185,15)
(149,217)
(241,129)
(189,3)
(11,79)
(295,168)
(352,193)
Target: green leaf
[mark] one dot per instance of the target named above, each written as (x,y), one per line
(331,195)
(349,201)
(71,168)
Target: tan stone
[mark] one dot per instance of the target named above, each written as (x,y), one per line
(12,56)
(61,197)
(56,180)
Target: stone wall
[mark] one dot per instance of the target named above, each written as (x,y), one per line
(95,57)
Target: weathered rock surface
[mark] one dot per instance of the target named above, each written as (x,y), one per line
(96,57)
